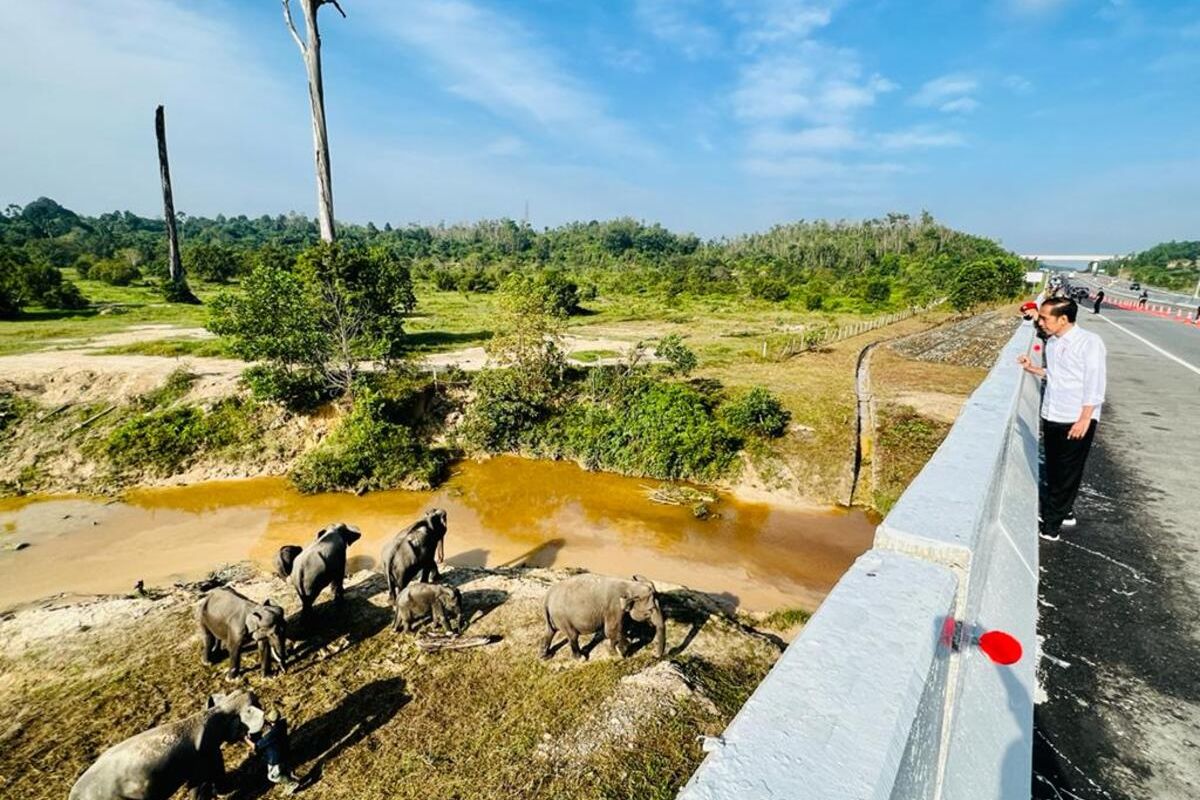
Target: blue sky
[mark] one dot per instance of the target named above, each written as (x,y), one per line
(1053,125)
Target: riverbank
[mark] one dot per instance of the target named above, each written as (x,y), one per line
(371,714)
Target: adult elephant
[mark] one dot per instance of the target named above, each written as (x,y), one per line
(584,604)
(414,551)
(234,620)
(322,563)
(154,764)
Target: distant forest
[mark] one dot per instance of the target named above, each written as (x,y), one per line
(1171,265)
(860,267)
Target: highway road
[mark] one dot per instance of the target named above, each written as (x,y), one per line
(1119,287)
(1119,604)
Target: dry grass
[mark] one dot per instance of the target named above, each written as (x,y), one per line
(373,717)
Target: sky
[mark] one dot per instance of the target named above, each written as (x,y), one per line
(1052,125)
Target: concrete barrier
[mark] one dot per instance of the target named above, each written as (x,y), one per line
(879,698)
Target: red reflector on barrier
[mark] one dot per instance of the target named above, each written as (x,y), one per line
(1000,647)
(1037,348)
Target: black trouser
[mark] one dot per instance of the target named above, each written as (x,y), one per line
(1064,469)
(1096,309)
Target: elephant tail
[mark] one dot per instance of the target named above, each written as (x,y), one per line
(285,558)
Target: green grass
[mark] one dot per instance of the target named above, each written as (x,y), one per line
(906,442)
(174,348)
(782,619)
(113,308)
(593,356)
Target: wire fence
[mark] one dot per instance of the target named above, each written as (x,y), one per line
(816,337)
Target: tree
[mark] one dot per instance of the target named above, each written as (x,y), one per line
(213,262)
(337,308)
(177,287)
(679,357)
(311,53)
(528,328)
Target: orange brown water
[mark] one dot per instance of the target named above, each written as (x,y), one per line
(505,511)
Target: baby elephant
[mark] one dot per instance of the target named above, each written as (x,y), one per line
(154,764)
(233,620)
(442,603)
(585,604)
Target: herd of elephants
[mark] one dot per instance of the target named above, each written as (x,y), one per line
(156,763)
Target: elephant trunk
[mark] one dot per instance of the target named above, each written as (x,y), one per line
(441,550)
(279,650)
(660,631)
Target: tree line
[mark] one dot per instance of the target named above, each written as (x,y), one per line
(1172,265)
(865,266)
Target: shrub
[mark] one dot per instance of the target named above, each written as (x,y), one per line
(772,289)
(653,428)
(212,262)
(679,357)
(757,413)
(815,301)
(114,271)
(507,409)
(444,280)
(164,441)
(369,449)
(298,390)
(178,384)
(562,295)
(23,282)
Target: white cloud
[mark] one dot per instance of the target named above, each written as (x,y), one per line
(768,22)
(921,137)
(673,22)
(1017,83)
(949,93)
(80,83)
(828,138)
(811,82)
(490,60)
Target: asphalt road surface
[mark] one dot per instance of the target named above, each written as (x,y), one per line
(1119,288)
(1119,605)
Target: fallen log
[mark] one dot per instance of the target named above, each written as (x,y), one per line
(435,644)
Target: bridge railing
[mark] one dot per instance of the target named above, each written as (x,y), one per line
(883,695)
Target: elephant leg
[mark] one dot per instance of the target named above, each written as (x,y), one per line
(339,590)
(547,640)
(401,622)
(235,659)
(573,641)
(615,636)
(439,617)
(264,655)
(210,647)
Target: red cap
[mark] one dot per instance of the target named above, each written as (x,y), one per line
(1028,306)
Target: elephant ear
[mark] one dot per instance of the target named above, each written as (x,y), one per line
(645,580)
(255,622)
(285,559)
(350,534)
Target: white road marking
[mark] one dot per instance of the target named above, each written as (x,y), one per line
(1152,345)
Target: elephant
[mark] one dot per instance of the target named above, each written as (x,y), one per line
(323,563)
(154,764)
(584,604)
(414,551)
(233,620)
(442,603)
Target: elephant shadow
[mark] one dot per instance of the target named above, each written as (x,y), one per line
(469,558)
(544,555)
(483,601)
(693,609)
(322,739)
(356,619)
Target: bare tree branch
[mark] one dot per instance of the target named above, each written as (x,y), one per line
(287,17)
(336,5)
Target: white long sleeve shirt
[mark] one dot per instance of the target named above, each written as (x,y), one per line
(1075,375)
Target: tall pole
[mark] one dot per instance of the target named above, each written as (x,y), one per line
(311,52)
(177,288)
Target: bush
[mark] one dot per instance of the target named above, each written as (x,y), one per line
(114,271)
(370,449)
(507,410)
(815,302)
(212,262)
(562,294)
(298,390)
(657,429)
(679,357)
(772,289)
(23,282)
(164,441)
(757,413)
(444,280)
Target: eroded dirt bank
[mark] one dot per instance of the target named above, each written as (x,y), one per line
(372,715)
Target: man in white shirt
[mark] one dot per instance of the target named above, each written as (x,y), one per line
(1075,378)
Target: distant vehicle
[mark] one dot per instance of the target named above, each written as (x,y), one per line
(1133,287)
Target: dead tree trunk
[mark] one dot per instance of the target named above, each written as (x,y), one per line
(311,52)
(177,286)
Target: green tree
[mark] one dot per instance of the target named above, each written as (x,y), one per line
(528,328)
(679,357)
(213,262)
(341,306)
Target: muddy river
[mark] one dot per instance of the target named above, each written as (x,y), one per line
(505,511)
